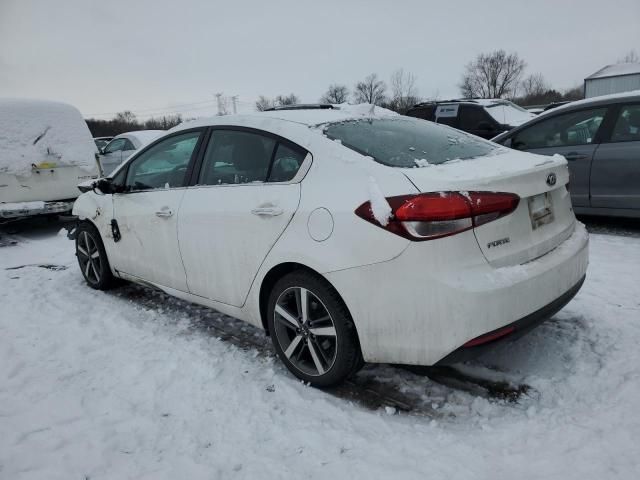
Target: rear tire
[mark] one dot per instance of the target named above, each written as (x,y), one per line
(92,258)
(312,331)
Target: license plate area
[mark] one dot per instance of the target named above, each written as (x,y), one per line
(540,210)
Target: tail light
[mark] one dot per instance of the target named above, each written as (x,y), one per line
(427,216)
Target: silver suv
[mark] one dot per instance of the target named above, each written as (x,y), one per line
(600,138)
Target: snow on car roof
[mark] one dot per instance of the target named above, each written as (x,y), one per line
(142,137)
(35,132)
(309,117)
(342,112)
(632,95)
(617,69)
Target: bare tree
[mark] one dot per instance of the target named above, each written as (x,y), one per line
(282,100)
(403,90)
(534,85)
(630,57)
(492,75)
(163,123)
(264,103)
(335,94)
(370,90)
(126,117)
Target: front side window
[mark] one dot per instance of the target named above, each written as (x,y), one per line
(627,128)
(569,129)
(408,142)
(115,145)
(236,157)
(128,145)
(164,165)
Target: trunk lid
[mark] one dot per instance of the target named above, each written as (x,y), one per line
(544,217)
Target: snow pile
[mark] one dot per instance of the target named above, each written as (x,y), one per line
(6,207)
(37,132)
(114,386)
(379,206)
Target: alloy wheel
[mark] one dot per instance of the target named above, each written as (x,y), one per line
(89,257)
(305,331)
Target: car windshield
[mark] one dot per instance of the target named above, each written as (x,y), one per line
(407,142)
(508,113)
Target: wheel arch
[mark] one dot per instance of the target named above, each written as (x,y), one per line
(276,273)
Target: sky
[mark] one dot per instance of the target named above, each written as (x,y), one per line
(163,57)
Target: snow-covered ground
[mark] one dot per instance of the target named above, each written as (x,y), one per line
(110,386)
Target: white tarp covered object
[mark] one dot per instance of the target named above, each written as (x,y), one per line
(42,133)
(46,149)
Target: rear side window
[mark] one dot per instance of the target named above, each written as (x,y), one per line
(447,114)
(473,118)
(627,128)
(286,163)
(236,157)
(574,128)
(426,112)
(408,142)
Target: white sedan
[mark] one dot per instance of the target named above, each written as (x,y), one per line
(124,145)
(350,234)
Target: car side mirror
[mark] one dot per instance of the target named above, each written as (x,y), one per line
(101,150)
(104,186)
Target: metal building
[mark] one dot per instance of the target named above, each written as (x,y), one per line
(617,78)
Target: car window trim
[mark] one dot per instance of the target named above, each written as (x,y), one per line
(197,167)
(196,152)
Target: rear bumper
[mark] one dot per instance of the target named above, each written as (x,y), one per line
(517,329)
(13,211)
(437,296)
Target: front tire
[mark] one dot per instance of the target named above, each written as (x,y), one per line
(92,258)
(312,331)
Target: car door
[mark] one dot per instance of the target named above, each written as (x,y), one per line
(146,211)
(247,191)
(111,156)
(575,135)
(615,174)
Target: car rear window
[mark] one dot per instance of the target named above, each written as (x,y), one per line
(407,142)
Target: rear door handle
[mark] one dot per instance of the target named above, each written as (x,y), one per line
(267,211)
(164,213)
(572,156)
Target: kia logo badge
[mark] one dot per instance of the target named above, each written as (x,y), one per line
(551,179)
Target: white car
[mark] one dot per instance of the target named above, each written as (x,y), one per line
(122,146)
(349,234)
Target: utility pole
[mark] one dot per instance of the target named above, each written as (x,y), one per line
(219,99)
(234,99)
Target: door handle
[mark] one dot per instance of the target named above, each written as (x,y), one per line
(164,213)
(572,156)
(267,211)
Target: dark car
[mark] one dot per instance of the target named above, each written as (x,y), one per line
(600,138)
(485,118)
